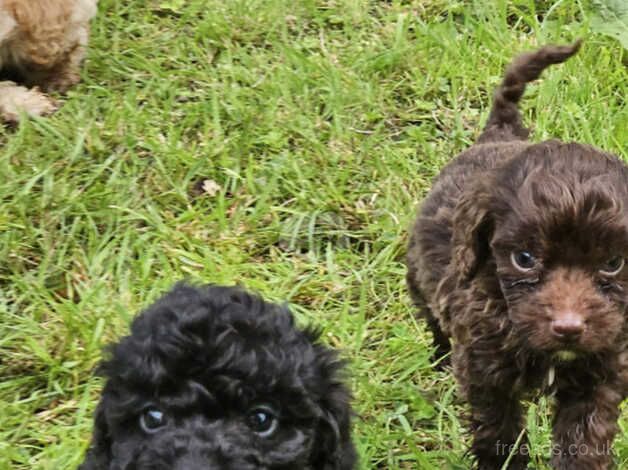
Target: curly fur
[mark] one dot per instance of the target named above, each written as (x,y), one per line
(205,356)
(564,203)
(42,44)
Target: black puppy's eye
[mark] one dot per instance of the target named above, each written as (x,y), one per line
(151,420)
(613,266)
(522,260)
(262,420)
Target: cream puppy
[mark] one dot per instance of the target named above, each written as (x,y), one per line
(42,44)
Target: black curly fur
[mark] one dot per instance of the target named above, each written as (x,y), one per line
(205,356)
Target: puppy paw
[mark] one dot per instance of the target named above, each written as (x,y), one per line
(17,101)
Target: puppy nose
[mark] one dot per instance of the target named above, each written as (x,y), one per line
(568,326)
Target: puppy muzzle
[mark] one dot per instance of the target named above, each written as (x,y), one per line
(208,462)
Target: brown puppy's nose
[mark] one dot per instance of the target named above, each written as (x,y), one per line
(567,326)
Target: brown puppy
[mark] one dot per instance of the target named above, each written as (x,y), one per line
(42,44)
(518,256)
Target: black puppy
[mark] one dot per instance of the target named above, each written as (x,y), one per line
(216,378)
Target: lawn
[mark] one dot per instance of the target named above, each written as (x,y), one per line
(282,145)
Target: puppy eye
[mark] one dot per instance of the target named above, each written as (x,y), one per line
(151,420)
(522,260)
(613,266)
(262,420)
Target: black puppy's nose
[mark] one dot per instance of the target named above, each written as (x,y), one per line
(197,463)
(567,326)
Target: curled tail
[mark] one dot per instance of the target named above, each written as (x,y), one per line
(504,123)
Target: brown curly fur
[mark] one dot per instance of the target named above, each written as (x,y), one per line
(42,44)
(564,203)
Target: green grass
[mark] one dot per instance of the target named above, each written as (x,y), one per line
(322,124)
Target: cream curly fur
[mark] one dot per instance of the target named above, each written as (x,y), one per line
(42,42)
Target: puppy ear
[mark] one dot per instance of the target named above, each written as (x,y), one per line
(99,453)
(472,228)
(333,448)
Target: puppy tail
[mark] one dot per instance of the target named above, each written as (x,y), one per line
(504,122)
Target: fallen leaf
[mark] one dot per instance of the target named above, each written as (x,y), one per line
(210,187)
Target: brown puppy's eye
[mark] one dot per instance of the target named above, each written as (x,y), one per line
(522,260)
(613,266)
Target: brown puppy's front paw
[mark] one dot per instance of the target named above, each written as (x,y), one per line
(16,101)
